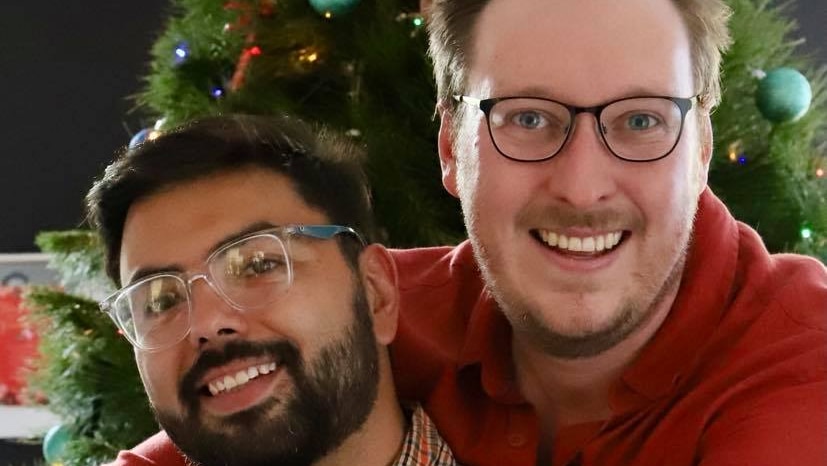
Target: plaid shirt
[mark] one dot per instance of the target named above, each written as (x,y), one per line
(422,445)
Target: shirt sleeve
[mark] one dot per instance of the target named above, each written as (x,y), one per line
(157,450)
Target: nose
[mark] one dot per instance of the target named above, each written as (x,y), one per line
(582,173)
(212,319)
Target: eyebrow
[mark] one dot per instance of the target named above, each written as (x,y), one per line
(177,268)
(252,228)
(545,92)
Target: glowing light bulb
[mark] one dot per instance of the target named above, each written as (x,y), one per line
(181,52)
(806,233)
(733,150)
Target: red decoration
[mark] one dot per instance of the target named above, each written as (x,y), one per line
(243,63)
(245,21)
(18,346)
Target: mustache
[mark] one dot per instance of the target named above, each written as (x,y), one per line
(284,352)
(559,216)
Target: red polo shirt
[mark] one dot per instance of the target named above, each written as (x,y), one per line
(737,373)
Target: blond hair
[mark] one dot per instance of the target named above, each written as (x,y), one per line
(451,25)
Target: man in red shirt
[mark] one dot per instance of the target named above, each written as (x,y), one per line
(258,313)
(624,317)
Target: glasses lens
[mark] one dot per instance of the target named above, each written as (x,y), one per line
(528,129)
(155,312)
(642,128)
(252,272)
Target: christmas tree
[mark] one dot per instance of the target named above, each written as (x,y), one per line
(360,67)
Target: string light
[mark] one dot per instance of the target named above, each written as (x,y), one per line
(415,19)
(733,150)
(820,173)
(806,233)
(328,15)
(308,55)
(181,52)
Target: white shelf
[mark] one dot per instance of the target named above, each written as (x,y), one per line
(25,421)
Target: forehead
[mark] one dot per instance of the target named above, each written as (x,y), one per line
(183,224)
(584,51)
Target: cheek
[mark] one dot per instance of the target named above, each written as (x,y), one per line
(160,373)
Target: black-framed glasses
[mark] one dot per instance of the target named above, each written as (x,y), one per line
(249,273)
(534,129)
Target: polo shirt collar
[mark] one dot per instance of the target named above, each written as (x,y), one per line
(706,286)
(487,343)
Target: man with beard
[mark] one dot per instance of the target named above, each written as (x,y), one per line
(258,312)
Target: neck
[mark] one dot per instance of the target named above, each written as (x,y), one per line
(574,391)
(379,440)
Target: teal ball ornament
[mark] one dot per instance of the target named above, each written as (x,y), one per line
(139,138)
(784,95)
(54,443)
(328,8)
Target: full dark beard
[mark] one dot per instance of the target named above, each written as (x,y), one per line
(330,400)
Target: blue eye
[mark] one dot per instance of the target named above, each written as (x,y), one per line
(641,121)
(530,119)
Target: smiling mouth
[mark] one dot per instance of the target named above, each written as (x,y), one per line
(584,246)
(231,382)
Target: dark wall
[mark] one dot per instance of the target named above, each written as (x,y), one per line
(66,69)
(812,20)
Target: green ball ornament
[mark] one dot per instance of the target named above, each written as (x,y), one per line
(784,95)
(328,8)
(54,443)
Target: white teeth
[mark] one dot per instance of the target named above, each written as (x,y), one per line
(596,243)
(229,382)
(267,368)
(575,244)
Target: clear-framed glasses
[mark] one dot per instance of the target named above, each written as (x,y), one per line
(533,129)
(249,273)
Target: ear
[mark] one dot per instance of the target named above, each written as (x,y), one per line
(706,140)
(379,278)
(446,150)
